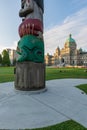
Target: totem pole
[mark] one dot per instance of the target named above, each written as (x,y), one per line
(30,67)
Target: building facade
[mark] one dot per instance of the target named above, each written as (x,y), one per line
(69,55)
(12,55)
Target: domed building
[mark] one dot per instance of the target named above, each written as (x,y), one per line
(69,55)
(69,52)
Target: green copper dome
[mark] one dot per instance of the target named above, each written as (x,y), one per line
(70,39)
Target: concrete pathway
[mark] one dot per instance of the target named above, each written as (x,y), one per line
(61,102)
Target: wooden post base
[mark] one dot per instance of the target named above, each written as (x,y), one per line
(30,76)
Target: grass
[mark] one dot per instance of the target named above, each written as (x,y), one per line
(7,75)
(83,87)
(59,73)
(67,125)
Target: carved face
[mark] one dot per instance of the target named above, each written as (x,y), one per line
(26,3)
(26,8)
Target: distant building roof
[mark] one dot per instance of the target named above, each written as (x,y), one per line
(70,41)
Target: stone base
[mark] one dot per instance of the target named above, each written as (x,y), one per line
(30,76)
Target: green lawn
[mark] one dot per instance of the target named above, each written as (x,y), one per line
(83,87)
(7,75)
(58,73)
(67,125)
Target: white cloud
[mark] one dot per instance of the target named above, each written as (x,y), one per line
(13,46)
(75,24)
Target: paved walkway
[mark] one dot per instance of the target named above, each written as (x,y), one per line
(61,102)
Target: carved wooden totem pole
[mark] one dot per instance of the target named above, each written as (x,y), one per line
(30,67)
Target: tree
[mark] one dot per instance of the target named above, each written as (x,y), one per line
(0,59)
(5,58)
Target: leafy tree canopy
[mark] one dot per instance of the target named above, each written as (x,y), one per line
(0,59)
(5,58)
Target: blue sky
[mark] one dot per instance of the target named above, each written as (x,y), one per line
(61,17)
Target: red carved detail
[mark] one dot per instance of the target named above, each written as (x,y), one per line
(30,26)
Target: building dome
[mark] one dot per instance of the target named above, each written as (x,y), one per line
(70,41)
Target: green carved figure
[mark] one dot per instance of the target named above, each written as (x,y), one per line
(30,48)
